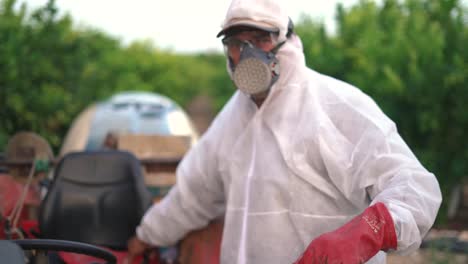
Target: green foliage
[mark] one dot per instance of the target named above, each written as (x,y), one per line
(410,56)
(50,71)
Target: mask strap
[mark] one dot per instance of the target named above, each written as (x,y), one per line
(231,64)
(275,49)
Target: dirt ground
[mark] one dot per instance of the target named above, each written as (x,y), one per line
(437,255)
(427,256)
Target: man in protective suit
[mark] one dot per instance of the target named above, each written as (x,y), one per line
(305,168)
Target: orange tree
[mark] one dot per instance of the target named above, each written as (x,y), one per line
(50,71)
(412,58)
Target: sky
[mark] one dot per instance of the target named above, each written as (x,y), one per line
(179,25)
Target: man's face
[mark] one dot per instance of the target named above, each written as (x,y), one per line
(260,39)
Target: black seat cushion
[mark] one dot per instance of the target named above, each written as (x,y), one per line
(95,197)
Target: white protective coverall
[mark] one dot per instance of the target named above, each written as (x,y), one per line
(317,153)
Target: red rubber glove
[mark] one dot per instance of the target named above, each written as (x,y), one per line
(355,242)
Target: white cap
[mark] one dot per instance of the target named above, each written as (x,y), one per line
(268,15)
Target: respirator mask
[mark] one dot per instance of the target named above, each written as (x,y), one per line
(256,70)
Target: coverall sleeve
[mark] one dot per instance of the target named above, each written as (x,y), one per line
(410,192)
(369,154)
(370,161)
(196,199)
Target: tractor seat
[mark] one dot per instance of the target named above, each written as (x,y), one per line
(95,197)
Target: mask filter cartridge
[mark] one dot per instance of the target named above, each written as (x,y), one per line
(257,70)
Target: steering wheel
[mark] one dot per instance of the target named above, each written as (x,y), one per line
(67,246)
